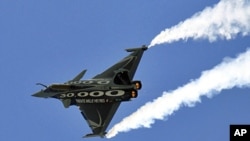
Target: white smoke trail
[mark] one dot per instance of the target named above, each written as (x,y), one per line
(225,20)
(230,73)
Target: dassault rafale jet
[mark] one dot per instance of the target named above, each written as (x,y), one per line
(99,98)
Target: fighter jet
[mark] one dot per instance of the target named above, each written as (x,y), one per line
(99,98)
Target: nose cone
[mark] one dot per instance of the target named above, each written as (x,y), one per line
(40,94)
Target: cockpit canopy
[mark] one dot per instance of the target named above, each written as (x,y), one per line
(60,86)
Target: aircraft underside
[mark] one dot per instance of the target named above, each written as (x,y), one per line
(99,98)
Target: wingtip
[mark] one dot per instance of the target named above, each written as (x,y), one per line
(95,135)
(144,47)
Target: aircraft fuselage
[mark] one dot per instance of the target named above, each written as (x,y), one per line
(92,91)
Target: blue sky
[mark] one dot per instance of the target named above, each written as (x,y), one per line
(51,41)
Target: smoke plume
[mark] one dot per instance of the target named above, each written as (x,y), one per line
(225,20)
(230,73)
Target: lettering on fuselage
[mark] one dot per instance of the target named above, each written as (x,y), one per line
(87,82)
(102,100)
(93,94)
